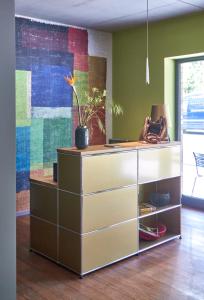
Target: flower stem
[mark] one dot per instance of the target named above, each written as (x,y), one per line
(78,107)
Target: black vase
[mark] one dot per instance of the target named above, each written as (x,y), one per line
(81,137)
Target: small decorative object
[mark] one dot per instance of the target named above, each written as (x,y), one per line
(55,171)
(155,128)
(155,232)
(160,199)
(92,107)
(82,137)
(146,208)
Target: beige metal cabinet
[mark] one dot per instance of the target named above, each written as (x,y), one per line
(95,211)
(70,254)
(108,208)
(90,219)
(102,247)
(103,172)
(88,252)
(156,164)
(43,202)
(69,172)
(93,173)
(69,211)
(43,237)
(43,220)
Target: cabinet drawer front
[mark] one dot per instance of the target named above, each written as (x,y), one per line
(43,237)
(69,177)
(70,250)
(43,202)
(108,208)
(102,172)
(70,211)
(156,164)
(106,246)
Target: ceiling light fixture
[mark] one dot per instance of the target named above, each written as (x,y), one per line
(147,57)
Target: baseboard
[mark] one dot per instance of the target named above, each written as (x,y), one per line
(22,213)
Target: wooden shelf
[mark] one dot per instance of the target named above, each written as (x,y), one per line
(169,185)
(128,146)
(145,245)
(44,180)
(159,210)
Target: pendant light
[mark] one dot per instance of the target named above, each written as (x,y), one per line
(147,57)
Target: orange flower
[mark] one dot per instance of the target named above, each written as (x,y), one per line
(70,80)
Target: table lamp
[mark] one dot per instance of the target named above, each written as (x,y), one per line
(156,127)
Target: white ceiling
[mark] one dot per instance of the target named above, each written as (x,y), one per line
(105,15)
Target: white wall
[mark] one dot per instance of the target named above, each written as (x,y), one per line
(7,153)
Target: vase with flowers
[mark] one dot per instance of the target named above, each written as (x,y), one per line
(91,107)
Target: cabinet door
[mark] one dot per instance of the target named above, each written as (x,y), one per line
(102,172)
(70,250)
(157,164)
(43,202)
(107,208)
(106,246)
(43,237)
(69,173)
(70,211)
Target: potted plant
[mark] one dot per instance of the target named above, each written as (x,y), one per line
(91,107)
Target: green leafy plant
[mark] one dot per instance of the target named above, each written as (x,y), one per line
(93,106)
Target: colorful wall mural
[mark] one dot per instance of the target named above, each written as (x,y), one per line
(45,114)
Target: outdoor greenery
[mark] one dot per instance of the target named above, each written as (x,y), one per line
(193,77)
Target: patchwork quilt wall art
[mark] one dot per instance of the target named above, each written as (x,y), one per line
(45,114)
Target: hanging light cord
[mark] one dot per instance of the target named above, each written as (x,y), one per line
(147,58)
(148,28)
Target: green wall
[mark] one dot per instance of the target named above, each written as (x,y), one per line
(168,38)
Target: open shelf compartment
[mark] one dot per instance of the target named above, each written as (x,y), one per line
(171,219)
(171,186)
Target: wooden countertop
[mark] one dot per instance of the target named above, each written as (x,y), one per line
(100,149)
(44,180)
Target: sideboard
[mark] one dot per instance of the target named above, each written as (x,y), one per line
(91,217)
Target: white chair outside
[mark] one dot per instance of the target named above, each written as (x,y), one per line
(199,162)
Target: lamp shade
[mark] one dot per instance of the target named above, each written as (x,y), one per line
(160,110)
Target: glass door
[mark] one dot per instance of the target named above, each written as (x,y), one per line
(190,127)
